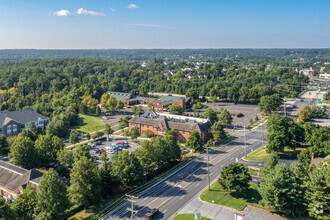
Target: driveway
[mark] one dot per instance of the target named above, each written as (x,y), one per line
(218,212)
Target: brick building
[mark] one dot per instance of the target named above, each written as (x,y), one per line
(13,180)
(162,103)
(13,122)
(159,122)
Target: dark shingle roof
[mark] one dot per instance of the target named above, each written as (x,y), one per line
(20,116)
(175,124)
(12,177)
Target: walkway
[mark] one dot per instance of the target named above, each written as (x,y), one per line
(218,212)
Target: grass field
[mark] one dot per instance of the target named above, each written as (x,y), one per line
(187,216)
(262,155)
(89,124)
(231,199)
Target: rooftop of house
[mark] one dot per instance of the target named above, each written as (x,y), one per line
(169,121)
(20,116)
(169,98)
(13,177)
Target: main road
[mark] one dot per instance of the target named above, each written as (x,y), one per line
(173,192)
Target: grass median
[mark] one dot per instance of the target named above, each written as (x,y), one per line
(262,155)
(231,199)
(187,216)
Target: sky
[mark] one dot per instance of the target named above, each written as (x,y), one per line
(112,24)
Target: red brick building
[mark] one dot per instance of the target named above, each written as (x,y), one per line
(13,180)
(159,122)
(13,122)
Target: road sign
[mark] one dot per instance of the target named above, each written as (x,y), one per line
(320,102)
(251,150)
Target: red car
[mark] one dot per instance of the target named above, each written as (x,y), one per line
(120,143)
(102,150)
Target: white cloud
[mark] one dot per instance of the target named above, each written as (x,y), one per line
(132,6)
(62,12)
(112,9)
(82,11)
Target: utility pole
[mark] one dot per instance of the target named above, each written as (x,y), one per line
(208,170)
(284,107)
(244,139)
(132,199)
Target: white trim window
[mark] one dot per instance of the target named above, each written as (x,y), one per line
(9,130)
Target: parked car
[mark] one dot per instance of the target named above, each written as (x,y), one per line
(151,214)
(105,117)
(102,150)
(66,141)
(98,142)
(91,144)
(98,151)
(108,139)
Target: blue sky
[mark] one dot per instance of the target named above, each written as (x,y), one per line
(102,24)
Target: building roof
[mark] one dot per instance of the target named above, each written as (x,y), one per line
(13,177)
(20,116)
(175,123)
(169,98)
(120,95)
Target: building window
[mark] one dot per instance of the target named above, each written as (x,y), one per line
(40,122)
(147,126)
(13,197)
(9,130)
(183,133)
(4,194)
(143,132)
(22,126)
(142,126)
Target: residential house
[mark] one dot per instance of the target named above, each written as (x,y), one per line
(13,122)
(159,122)
(13,180)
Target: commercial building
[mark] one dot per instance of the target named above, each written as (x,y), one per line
(13,122)
(13,180)
(162,103)
(159,122)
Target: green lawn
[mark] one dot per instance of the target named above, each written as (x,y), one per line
(262,155)
(258,155)
(187,216)
(231,199)
(89,124)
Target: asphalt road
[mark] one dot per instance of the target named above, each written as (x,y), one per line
(173,192)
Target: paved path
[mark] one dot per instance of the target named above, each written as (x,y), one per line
(218,212)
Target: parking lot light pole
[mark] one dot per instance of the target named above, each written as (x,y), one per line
(244,139)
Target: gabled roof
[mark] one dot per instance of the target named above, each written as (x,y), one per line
(120,95)
(13,177)
(20,116)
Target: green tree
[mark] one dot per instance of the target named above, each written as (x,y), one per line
(305,114)
(88,136)
(4,146)
(194,141)
(98,111)
(268,104)
(235,176)
(210,114)
(108,130)
(317,195)
(217,131)
(74,136)
(81,151)
(23,152)
(52,198)
(85,181)
(66,159)
(32,127)
(97,135)
(5,211)
(134,133)
(174,149)
(47,147)
(299,179)
(225,117)
(25,203)
(275,188)
(128,169)
(192,93)
(150,106)
(137,110)
(271,162)
(175,109)
(106,179)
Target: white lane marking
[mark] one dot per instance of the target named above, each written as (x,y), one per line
(181,197)
(232,159)
(165,210)
(211,174)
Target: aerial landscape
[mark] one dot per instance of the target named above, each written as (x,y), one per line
(175,110)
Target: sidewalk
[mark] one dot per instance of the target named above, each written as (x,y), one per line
(218,212)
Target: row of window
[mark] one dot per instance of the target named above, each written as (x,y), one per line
(4,194)
(158,129)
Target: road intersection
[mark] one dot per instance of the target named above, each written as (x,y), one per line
(173,192)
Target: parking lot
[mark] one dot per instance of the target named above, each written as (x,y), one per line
(96,151)
(249,111)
